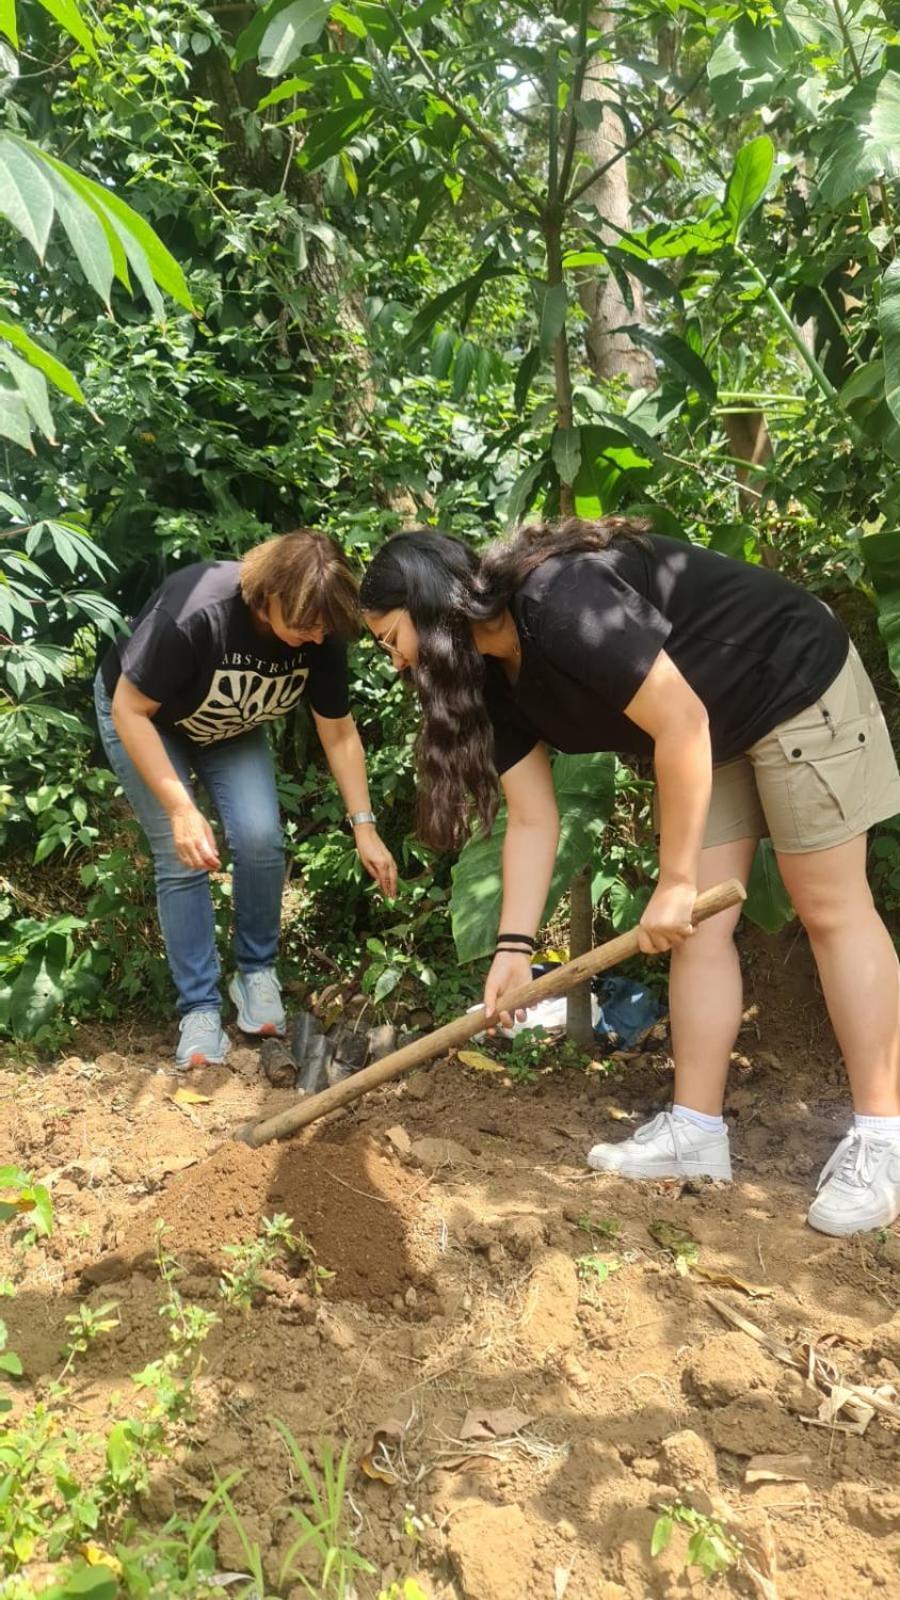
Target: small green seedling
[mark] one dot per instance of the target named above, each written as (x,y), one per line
(86,1326)
(710,1548)
(602,1227)
(595,1269)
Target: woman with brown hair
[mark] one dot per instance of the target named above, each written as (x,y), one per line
(761,722)
(222,648)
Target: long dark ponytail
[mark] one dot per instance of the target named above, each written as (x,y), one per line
(444,587)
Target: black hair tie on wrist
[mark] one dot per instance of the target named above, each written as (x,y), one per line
(519,938)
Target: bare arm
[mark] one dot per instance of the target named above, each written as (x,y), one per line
(529,852)
(667,708)
(132,715)
(346,760)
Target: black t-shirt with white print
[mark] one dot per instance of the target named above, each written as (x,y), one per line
(755,648)
(193,647)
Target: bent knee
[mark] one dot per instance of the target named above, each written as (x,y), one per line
(824,913)
(256,839)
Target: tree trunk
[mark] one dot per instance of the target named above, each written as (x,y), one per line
(610,353)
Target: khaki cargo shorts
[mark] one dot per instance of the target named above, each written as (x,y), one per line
(817,780)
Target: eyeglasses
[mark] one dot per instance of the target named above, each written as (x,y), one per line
(385,641)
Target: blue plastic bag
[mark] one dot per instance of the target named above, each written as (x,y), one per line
(627,1009)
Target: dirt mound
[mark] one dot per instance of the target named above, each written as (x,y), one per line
(353,1205)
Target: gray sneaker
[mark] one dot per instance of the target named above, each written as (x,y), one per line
(257,996)
(202,1040)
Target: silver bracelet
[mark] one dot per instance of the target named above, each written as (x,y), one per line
(357,818)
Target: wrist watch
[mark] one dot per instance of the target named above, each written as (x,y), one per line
(357,818)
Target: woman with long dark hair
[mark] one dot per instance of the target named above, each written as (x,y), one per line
(761,722)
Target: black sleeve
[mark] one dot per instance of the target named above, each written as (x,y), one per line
(328,688)
(513,739)
(158,658)
(599,630)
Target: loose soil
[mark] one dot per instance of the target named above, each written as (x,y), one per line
(454,1210)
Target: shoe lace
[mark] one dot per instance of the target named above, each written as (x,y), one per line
(853,1162)
(199,1021)
(650,1130)
(263,985)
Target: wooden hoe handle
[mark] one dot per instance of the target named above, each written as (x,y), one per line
(559,981)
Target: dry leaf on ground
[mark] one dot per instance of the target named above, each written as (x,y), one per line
(777,1469)
(479,1061)
(729,1280)
(499,1424)
(189,1097)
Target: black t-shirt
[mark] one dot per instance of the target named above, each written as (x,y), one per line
(194,648)
(754,647)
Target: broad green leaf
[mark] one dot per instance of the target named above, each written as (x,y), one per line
(67,14)
(467,289)
(37,991)
(152,262)
(585,793)
(661,1538)
(583,258)
(521,495)
(653,278)
(386,984)
(26,198)
(607,457)
(881,553)
(93,241)
(282,91)
(566,452)
(8,22)
(84,1583)
(15,424)
(246,48)
(32,386)
(748,181)
(442,353)
(866,382)
(703,236)
(463,367)
(42,359)
(752,63)
(299,24)
(768,903)
(864,143)
(120,1451)
(889,321)
(528,366)
(677,357)
(553,315)
(11,1363)
(329,132)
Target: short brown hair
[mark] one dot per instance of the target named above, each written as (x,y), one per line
(311,577)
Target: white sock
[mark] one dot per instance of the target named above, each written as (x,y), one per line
(887,1127)
(701,1120)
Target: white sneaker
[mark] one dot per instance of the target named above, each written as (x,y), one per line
(667,1147)
(859,1185)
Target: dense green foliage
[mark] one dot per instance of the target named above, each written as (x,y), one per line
(328,267)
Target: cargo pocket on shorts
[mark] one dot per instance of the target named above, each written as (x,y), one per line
(828,772)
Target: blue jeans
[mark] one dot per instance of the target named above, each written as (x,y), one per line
(239,777)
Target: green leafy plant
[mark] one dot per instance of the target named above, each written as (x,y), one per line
(86,1326)
(242,1284)
(711,1547)
(322,1528)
